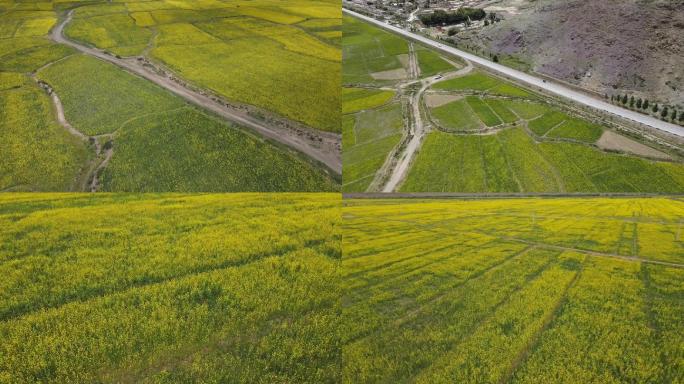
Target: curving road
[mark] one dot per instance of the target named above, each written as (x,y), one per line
(324,147)
(554,88)
(417,131)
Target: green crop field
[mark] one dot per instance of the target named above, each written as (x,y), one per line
(250,52)
(513,291)
(511,161)
(535,146)
(159,143)
(37,153)
(432,63)
(368,50)
(481,82)
(368,139)
(358,99)
(169,288)
(100,98)
(187,151)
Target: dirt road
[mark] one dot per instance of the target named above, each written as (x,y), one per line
(323,147)
(418,130)
(555,88)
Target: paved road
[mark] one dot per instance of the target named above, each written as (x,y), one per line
(555,88)
(323,147)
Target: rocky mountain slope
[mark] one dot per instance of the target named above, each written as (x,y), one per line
(608,46)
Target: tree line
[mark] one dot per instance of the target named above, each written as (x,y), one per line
(441,17)
(644,105)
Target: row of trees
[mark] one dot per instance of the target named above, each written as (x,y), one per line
(464,14)
(665,112)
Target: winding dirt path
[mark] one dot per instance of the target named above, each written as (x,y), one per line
(322,147)
(417,131)
(90,181)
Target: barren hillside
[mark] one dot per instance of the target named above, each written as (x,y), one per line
(608,46)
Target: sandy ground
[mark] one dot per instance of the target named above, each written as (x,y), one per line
(434,100)
(616,142)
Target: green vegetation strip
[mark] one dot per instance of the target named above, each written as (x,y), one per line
(169,288)
(444,290)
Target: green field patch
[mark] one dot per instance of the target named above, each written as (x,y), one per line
(500,107)
(358,99)
(577,129)
(272,15)
(506,89)
(608,172)
(317,24)
(35,27)
(542,125)
(482,82)
(526,109)
(37,153)
(10,80)
(367,50)
(116,32)
(183,34)
(143,19)
(482,309)
(158,281)
(172,151)
(431,62)
(456,116)
(99,98)
(376,133)
(348,133)
(258,71)
(477,82)
(486,114)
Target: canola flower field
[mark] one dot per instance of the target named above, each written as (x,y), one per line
(153,149)
(168,288)
(513,290)
(279,56)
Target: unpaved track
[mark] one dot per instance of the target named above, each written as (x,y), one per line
(93,166)
(555,88)
(324,147)
(417,131)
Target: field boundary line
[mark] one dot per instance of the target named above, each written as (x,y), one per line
(532,344)
(551,246)
(445,259)
(471,330)
(103,292)
(414,310)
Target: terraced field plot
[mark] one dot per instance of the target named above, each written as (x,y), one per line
(37,153)
(169,288)
(372,55)
(529,146)
(128,134)
(250,52)
(368,138)
(513,291)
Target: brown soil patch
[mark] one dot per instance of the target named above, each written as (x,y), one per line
(613,141)
(394,74)
(434,100)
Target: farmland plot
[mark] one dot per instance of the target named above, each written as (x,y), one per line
(369,137)
(520,290)
(372,56)
(250,52)
(124,138)
(169,288)
(494,137)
